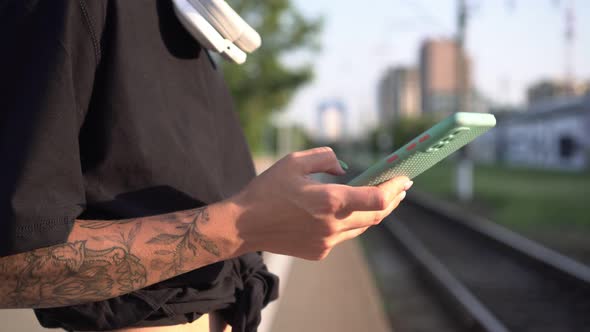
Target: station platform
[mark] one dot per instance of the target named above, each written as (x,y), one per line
(336,294)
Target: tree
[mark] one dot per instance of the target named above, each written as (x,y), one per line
(264,83)
(401,131)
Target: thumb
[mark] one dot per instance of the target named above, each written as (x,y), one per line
(318,160)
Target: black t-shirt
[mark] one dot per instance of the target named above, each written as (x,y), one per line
(111,110)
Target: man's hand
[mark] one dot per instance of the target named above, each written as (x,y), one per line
(284,211)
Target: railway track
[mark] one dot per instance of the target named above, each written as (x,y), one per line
(489,278)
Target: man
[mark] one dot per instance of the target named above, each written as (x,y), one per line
(127,193)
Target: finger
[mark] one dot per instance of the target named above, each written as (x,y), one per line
(318,160)
(365,199)
(375,198)
(361,219)
(394,204)
(348,235)
(396,185)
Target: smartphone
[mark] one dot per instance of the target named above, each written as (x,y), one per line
(427,149)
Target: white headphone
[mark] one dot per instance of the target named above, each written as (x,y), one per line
(216,26)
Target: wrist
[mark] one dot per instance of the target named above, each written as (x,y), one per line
(227,218)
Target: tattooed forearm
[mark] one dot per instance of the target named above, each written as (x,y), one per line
(103,259)
(73,273)
(185,245)
(98,224)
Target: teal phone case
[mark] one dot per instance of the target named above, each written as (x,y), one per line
(428,148)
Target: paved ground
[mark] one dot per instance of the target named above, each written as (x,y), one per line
(19,320)
(337,294)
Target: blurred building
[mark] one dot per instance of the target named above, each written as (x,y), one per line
(546,90)
(385,98)
(332,121)
(479,102)
(548,135)
(399,94)
(438,76)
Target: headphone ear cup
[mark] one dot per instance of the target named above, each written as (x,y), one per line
(205,33)
(228,23)
(198,27)
(249,40)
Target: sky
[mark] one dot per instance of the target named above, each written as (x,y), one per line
(512,43)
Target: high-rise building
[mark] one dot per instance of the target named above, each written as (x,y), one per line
(385,98)
(399,94)
(332,120)
(439,86)
(406,82)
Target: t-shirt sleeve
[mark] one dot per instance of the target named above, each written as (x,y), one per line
(48,59)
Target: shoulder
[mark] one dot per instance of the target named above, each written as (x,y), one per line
(73,23)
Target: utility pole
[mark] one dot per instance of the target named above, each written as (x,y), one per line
(461,70)
(464,171)
(570,79)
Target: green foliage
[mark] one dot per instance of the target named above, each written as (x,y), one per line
(300,139)
(406,129)
(400,132)
(519,198)
(264,83)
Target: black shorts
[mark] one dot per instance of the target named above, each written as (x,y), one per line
(237,289)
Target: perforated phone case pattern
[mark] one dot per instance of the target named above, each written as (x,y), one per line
(422,160)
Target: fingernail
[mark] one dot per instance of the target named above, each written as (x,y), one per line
(343,165)
(402,196)
(408,185)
